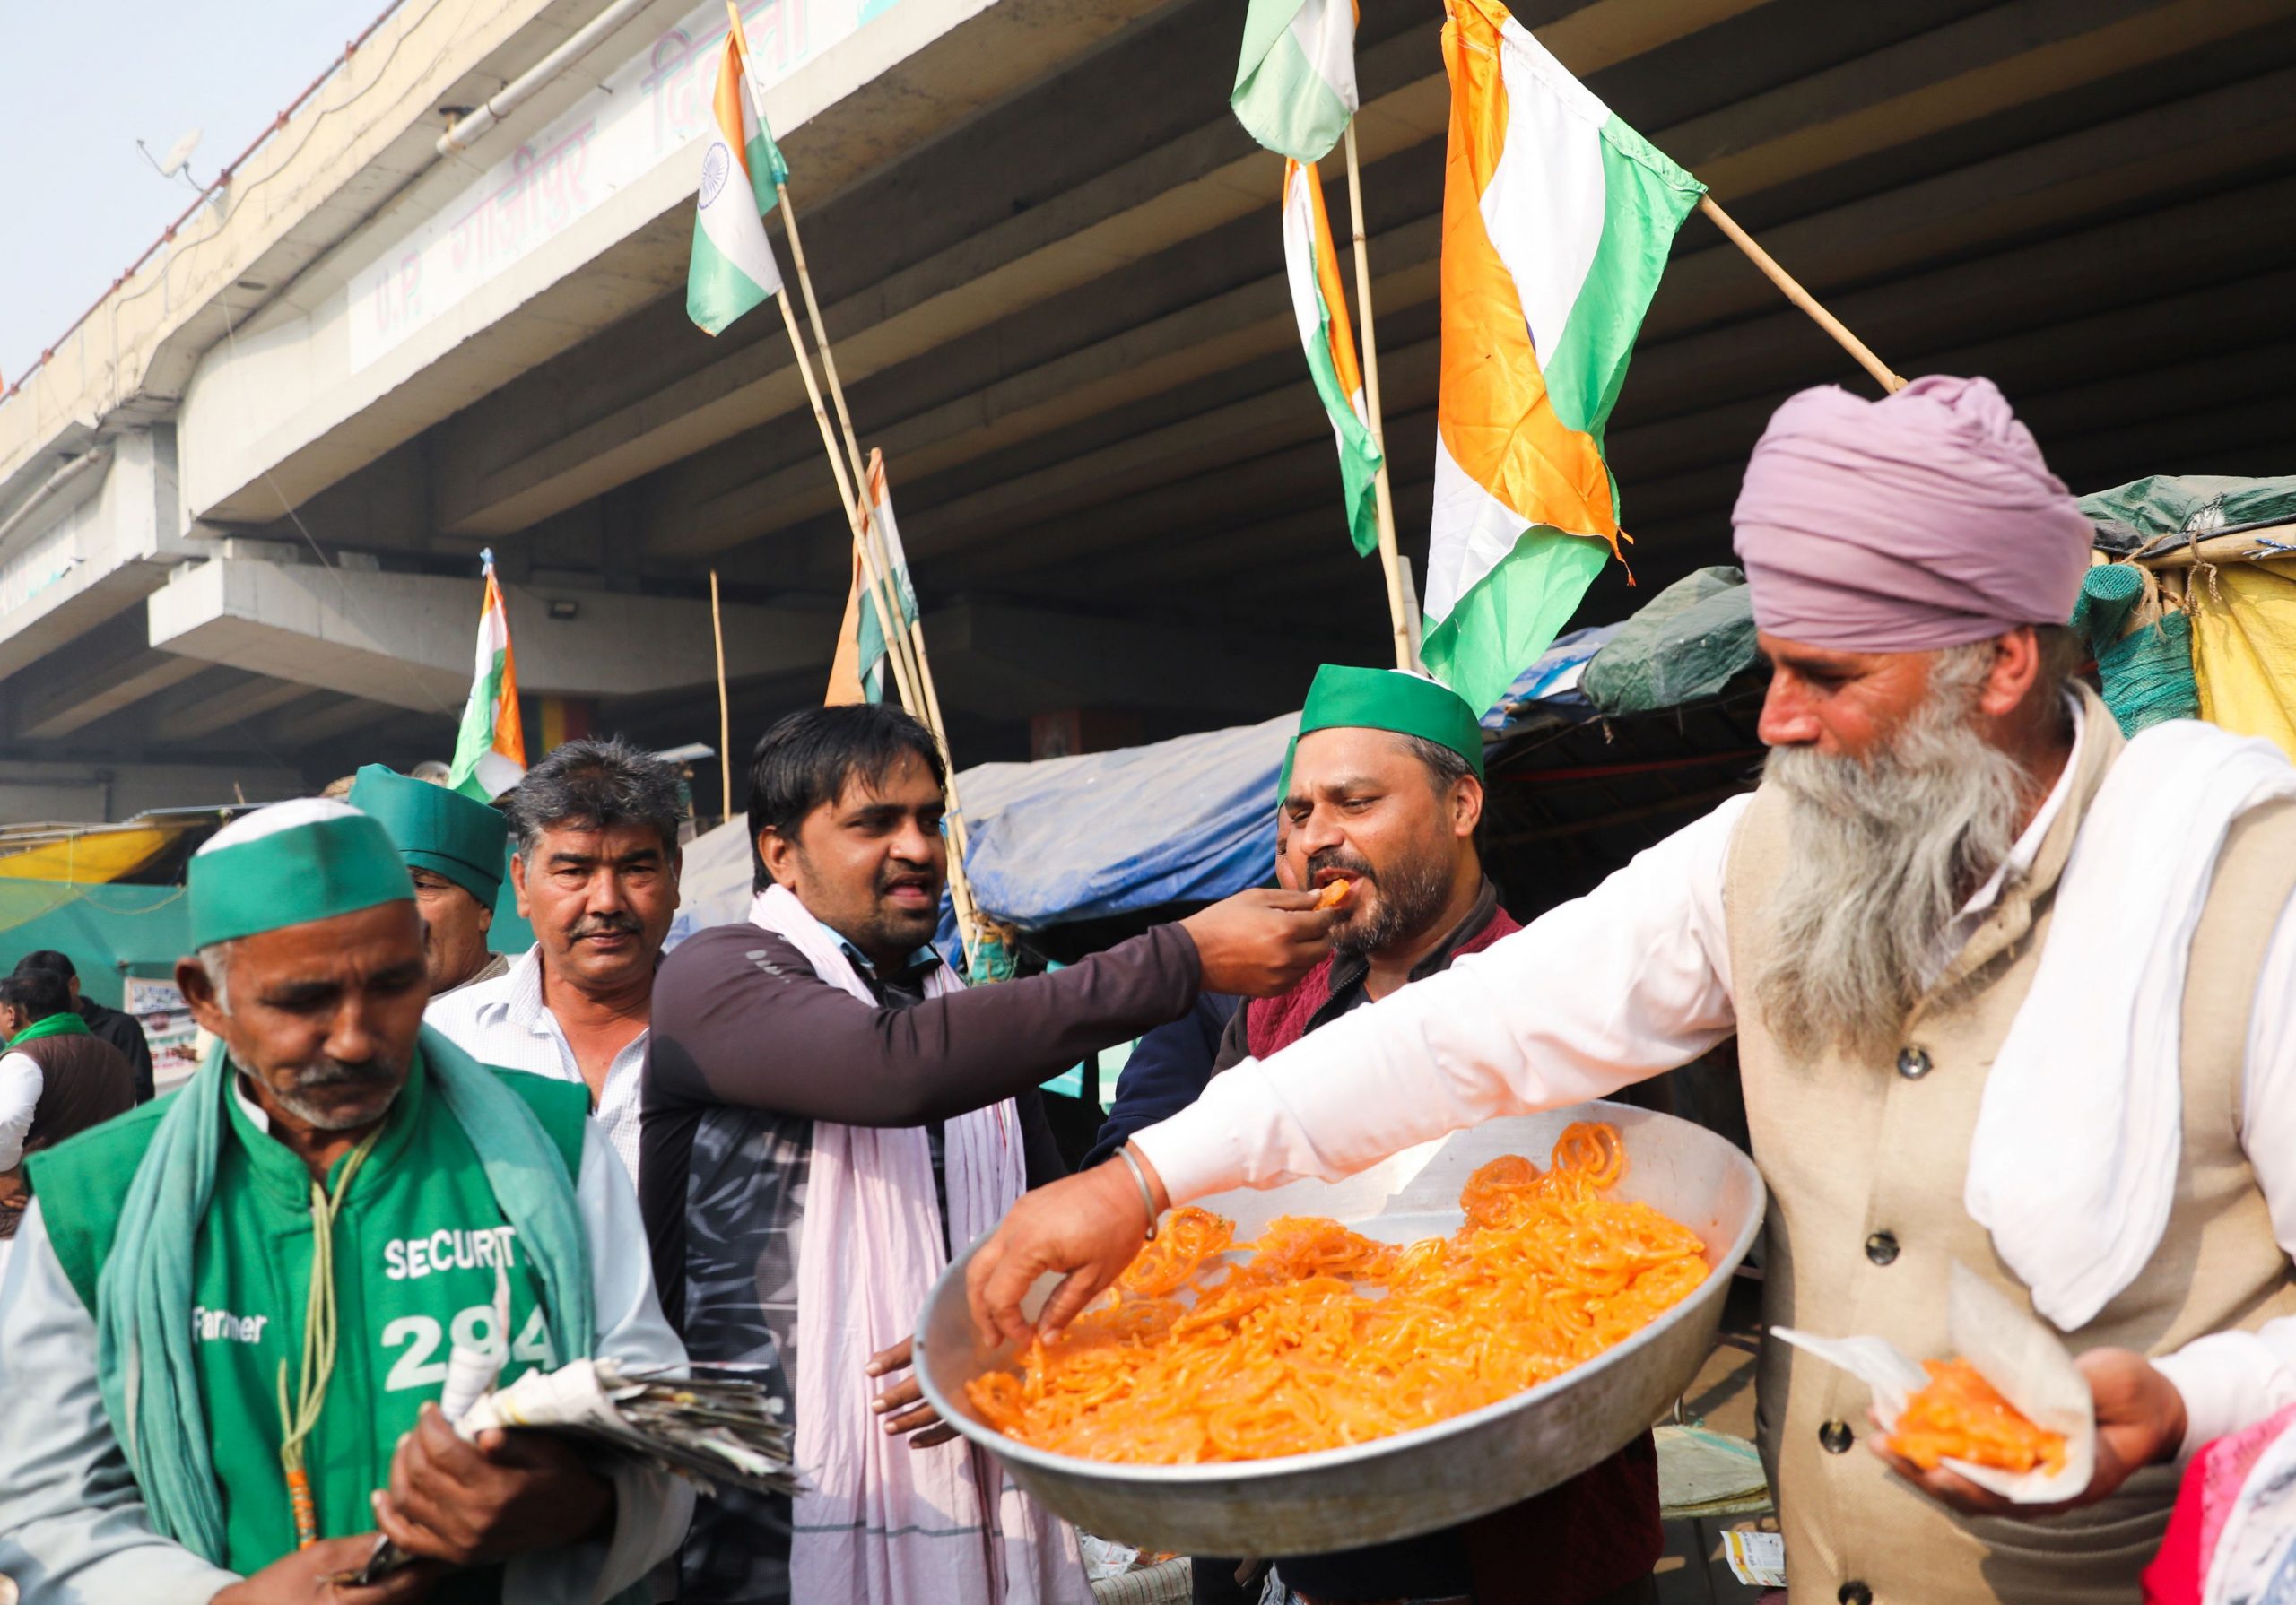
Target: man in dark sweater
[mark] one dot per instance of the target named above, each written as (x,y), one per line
(820,1054)
(57,1079)
(123,1031)
(1385,790)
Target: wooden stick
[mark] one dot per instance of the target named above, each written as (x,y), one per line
(1883,374)
(913,641)
(2273,540)
(1397,618)
(725,712)
(905,649)
(869,532)
(879,598)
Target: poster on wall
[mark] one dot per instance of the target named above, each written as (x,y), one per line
(167,1029)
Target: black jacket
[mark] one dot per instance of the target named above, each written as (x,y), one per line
(125,1033)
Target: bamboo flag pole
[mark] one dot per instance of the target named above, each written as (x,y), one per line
(880,594)
(725,711)
(920,667)
(879,597)
(1390,565)
(1883,374)
(911,644)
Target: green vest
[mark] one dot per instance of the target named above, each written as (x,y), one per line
(415,1250)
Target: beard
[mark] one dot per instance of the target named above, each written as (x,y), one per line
(379,1078)
(1411,894)
(1885,851)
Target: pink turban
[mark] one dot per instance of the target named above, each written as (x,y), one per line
(1925,519)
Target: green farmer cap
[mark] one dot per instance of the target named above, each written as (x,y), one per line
(436,830)
(310,859)
(1344,697)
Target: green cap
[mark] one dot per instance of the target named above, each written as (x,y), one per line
(437,830)
(1344,697)
(310,859)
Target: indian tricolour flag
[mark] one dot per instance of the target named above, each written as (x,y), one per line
(857,672)
(733,267)
(491,750)
(1557,219)
(1295,81)
(1311,266)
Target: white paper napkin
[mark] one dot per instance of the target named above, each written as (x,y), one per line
(2009,1348)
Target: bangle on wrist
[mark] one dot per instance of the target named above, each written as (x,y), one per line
(1147,1195)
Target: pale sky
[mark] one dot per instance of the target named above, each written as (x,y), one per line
(79,84)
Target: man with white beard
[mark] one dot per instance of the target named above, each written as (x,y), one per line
(2009,990)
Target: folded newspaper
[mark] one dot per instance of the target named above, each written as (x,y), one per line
(711,1424)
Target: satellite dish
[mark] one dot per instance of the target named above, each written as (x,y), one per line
(179,153)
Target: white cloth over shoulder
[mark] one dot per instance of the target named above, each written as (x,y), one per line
(876,1519)
(2101,1028)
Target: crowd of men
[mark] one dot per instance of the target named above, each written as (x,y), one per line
(224,1320)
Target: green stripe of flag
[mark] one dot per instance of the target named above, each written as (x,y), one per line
(1358,457)
(1527,597)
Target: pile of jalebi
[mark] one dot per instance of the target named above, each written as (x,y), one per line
(1961,1416)
(1286,1352)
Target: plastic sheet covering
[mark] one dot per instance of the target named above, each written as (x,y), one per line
(1694,638)
(2164,504)
(1552,685)
(714,883)
(2244,648)
(1076,839)
(1109,833)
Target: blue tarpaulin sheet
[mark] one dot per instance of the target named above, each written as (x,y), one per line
(1109,833)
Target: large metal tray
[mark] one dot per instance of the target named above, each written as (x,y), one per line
(1415,1481)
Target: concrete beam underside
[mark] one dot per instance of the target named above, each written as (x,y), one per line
(404,639)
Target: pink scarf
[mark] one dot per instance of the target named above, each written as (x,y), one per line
(878,1520)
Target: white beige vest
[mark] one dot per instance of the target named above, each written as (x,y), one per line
(1866,1164)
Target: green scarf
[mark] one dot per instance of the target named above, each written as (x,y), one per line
(64,1024)
(144,1326)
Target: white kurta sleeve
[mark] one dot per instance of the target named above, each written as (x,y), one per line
(1629,981)
(73,1528)
(651,1508)
(20,1085)
(2234,1379)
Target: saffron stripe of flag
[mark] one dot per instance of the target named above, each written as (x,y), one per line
(732,268)
(1295,81)
(1557,221)
(871,636)
(491,747)
(1311,267)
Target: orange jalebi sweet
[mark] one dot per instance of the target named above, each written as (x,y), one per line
(1961,1416)
(1287,1352)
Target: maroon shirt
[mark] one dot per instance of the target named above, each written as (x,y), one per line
(1589,1537)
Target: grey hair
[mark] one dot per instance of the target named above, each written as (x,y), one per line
(216,958)
(598,783)
(1445,770)
(1885,850)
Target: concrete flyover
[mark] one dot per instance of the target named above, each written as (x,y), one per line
(240,507)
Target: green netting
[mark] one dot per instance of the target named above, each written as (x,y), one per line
(107,930)
(2145,675)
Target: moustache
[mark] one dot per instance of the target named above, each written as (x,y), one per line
(917,878)
(339,1073)
(1339,858)
(605,925)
